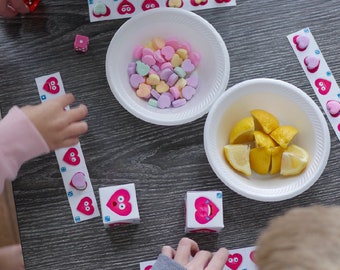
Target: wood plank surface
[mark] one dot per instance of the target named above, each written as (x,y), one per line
(163,162)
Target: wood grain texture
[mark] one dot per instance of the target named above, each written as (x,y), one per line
(163,162)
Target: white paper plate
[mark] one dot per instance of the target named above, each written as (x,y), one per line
(213,70)
(292,107)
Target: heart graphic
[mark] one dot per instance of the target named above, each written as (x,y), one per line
(301,42)
(222,1)
(78,181)
(234,261)
(51,85)
(101,10)
(252,256)
(149,267)
(85,206)
(125,7)
(71,157)
(206,210)
(174,3)
(198,2)
(323,86)
(149,4)
(312,63)
(333,107)
(120,202)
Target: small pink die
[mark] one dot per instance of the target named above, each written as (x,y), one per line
(81,43)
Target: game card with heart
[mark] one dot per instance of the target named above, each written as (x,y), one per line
(318,73)
(71,160)
(100,10)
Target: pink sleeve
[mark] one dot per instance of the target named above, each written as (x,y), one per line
(20,141)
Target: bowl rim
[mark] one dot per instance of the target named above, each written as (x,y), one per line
(187,117)
(251,193)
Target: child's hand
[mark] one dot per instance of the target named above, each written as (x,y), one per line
(59,127)
(201,259)
(11,258)
(10,8)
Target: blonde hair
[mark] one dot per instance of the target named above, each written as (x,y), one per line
(302,238)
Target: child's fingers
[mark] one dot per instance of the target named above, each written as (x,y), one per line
(186,247)
(77,114)
(168,251)
(19,6)
(218,260)
(64,100)
(200,260)
(75,130)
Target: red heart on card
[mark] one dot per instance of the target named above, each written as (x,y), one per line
(252,256)
(51,85)
(206,210)
(125,7)
(85,206)
(323,86)
(120,202)
(71,157)
(149,267)
(312,63)
(301,42)
(234,261)
(149,4)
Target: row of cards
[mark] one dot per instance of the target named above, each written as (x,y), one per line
(100,10)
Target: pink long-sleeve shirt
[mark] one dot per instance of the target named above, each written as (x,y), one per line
(20,141)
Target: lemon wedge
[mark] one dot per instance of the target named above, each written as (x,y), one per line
(265,120)
(242,131)
(294,160)
(276,159)
(283,135)
(238,157)
(263,140)
(259,159)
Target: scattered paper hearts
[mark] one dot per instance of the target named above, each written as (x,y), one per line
(85,206)
(52,86)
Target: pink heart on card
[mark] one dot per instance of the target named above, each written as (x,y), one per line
(312,63)
(71,157)
(301,42)
(51,85)
(125,7)
(120,202)
(85,206)
(234,261)
(252,256)
(333,107)
(149,267)
(149,4)
(206,210)
(323,86)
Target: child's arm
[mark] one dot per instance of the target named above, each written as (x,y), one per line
(180,259)
(10,8)
(35,130)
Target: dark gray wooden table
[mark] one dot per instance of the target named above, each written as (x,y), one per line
(163,162)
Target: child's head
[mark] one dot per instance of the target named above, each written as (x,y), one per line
(302,238)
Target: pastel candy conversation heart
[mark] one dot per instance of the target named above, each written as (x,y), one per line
(206,210)
(312,63)
(188,66)
(85,206)
(323,86)
(333,107)
(198,2)
(142,69)
(234,261)
(136,80)
(120,202)
(51,85)
(175,3)
(71,157)
(78,181)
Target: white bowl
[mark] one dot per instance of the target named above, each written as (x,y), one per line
(292,107)
(213,69)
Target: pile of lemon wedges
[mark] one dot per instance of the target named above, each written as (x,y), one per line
(259,143)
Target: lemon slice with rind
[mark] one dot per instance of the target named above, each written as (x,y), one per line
(265,120)
(263,140)
(283,135)
(242,131)
(294,160)
(275,166)
(259,159)
(238,157)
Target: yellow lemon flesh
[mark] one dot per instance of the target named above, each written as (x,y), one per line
(242,131)
(263,140)
(283,135)
(260,159)
(294,160)
(238,157)
(276,159)
(265,120)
